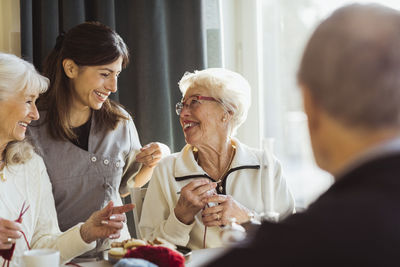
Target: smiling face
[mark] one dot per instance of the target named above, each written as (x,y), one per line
(203,123)
(93,84)
(16,113)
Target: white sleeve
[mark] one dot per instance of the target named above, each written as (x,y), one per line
(158,216)
(47,233)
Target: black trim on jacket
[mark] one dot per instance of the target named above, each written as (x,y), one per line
(182,178)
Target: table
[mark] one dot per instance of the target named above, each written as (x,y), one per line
(198,258)
(202,256)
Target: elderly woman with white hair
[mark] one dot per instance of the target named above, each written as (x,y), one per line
(28,216)
(214,167)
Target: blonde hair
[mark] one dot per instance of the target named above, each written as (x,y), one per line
(230,88)
(17,75)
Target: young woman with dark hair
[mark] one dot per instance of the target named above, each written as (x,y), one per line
(89,142)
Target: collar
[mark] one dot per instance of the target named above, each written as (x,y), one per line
(186,165)
(385,148)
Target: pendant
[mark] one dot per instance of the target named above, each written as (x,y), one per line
(220,188)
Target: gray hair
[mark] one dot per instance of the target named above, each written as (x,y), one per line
(351,65)
(17,75)
(230,88)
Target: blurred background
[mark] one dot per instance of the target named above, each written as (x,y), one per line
(261,39)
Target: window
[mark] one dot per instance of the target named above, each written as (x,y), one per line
(264,40)
(212,33)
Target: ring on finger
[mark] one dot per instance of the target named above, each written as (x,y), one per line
(152,157)
(9,240)
(218,217)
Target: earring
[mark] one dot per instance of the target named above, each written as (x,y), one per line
(224,119)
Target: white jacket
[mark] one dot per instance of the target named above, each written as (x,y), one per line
(29,182)
(247,182)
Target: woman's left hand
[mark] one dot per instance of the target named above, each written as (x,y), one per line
(151,154)
(226,209)
(105,223)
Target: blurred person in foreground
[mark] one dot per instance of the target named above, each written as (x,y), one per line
(350,80)
(24,183)
(214,167)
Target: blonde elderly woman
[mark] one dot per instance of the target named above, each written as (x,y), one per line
(25,189)
(214,167)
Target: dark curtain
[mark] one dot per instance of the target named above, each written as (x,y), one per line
(165,38)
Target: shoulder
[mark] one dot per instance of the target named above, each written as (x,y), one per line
(129,121)
(114,114)
(123,110)
(35,163)
(124,124)
(247,149)
(169,161)
(262,155)
(174,162)
(246,155)
(30,171)
(165,172)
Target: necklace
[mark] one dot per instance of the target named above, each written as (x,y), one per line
(220,188)
(219,181)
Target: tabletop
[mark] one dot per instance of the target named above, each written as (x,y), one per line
(198,258)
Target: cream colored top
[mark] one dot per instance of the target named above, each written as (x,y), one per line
(247,182)
(29,182)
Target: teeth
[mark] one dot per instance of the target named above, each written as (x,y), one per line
(23,124)
(101,94)
(187,125)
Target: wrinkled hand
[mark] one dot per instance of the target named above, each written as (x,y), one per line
(105,223)
(150,154)
(220,214)
(9,232)
(192,199)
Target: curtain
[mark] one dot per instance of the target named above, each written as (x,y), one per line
(165,39)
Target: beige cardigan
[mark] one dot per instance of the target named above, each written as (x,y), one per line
(29,182)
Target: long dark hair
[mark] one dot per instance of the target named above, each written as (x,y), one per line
(87,44)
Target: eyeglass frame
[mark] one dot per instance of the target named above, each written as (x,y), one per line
(181,104)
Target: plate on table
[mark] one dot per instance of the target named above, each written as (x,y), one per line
(185,251)
(110,258)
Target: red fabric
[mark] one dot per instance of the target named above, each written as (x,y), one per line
(161,256)
(8,253)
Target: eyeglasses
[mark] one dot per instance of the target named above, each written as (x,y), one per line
(192,102)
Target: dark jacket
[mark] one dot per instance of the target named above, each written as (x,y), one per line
(355,223)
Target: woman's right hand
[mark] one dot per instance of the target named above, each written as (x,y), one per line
(9,232)
(192,199)
(105,223)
